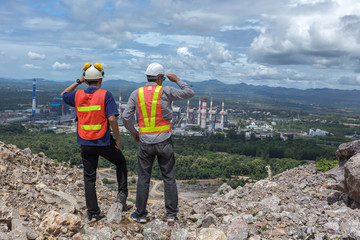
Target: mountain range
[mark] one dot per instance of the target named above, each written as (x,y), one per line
(236,93)
(325,97)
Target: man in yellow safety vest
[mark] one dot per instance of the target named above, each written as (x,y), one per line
(152,106)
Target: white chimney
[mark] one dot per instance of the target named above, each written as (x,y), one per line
(203,114)
(222,113)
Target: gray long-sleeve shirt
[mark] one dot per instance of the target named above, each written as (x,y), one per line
(168,95)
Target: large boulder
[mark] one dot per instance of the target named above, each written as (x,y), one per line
(352,177)
(211,234)
(114,214)
(60,224)
(345,177)
(238,230)
(209,220)
(156,230)
(63,200)
(336,179)
(347,150)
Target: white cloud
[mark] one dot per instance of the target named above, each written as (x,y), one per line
(264,71)
(115,28)
(210,58)
(184,51)
(36,56)
(156,56)
(255,27)
(154,39)
(45,24)
(201,20)
(350,80)
(186,60)
(30,66)
(237,74)
(296,3)
(82,9)
(106,43)
(135,53)
(214,51)
(324,35)
(60,66)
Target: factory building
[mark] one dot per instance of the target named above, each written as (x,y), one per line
(201,117)
(59,108)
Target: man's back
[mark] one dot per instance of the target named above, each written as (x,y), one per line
(154,118)
(168,95)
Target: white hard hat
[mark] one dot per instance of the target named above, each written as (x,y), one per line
(93,73)
(154,70)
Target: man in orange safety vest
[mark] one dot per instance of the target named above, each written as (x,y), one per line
(96,112)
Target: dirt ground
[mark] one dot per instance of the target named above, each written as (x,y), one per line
(201,189)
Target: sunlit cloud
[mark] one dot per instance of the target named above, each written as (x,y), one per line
(154,39)
(60,66)
(36,56)
(184,51)
(215,51)
(135,52)
(30,66)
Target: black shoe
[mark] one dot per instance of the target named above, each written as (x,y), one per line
(121,198)
(138,219)
(96,216)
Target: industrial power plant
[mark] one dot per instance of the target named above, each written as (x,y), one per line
(199,118)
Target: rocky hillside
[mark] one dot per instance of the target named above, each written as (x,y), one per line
(41,199)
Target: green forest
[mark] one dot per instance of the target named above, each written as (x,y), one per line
(214,156)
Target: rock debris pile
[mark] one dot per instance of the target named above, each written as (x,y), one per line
(42,199)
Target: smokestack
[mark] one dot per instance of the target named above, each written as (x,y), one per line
(120,106)
(203,114)
(210,117)
(62,107)
(34,98)
(222,113)
(199,111)
(187,111)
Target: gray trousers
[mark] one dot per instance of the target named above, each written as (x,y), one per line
(165,155)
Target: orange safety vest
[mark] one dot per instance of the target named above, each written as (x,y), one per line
(151,119)
(90,111)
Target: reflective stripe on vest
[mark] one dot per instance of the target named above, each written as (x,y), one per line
(91,127)
(90,111)
(89,108)
(155,123)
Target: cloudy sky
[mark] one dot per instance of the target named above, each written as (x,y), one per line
(291,43)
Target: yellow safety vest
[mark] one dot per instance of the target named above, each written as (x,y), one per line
(151,119)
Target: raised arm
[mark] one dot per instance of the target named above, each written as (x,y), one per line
(73,86)
(185,91)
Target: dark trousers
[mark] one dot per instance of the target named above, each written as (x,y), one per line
(90,157)
(165,155)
